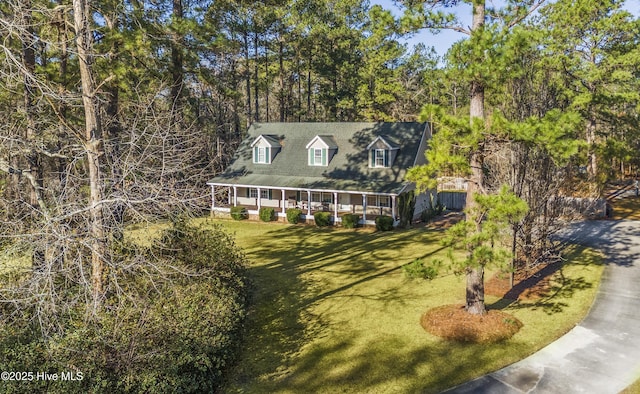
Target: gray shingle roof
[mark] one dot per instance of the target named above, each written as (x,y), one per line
(348,170)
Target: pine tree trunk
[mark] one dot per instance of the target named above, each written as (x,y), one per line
(177,60)
(29,64)
(247,78)
(475,275)
(592,164)
(281,72)
(256,96)
(93,148)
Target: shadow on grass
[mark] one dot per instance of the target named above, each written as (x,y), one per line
(552,297)
(329,369)
(279,323)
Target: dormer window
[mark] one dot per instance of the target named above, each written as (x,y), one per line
(265,148)
(382,152)
(320,150)
(381,158)
(317,157)
(261,154)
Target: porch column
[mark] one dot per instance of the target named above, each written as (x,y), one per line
(258,200)
(309,202)
(229,195)
(213,197)
(235,196)
(335,208)
(283,201)
(393,208)
(364,208)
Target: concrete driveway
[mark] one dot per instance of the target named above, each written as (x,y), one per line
(602,353)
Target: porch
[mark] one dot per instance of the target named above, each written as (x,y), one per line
(309,201)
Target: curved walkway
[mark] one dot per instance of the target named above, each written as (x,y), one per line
(602,353)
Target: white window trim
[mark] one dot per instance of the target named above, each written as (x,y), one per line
(265,157)
(264,193)
(379,154)
(317,160)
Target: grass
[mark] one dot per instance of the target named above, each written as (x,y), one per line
(627,208)
(333,312)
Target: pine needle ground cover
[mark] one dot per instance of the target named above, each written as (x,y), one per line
(333,312)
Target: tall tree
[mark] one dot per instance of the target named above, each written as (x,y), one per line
(93,145)
(593,47)
(478,57)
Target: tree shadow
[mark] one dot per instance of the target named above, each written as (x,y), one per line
(279,322)
(548,288)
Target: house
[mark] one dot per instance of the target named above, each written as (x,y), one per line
(336,167)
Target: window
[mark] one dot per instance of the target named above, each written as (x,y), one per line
(384,201)
(372,201)
(380,158)
(316,197)
(264,193)
(317,157)
(261,155)
(378,201)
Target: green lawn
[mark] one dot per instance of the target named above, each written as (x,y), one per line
(333,312)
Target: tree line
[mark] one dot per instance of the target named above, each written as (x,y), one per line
(117,112)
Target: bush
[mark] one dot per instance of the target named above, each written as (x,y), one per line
(384,223)
(322,218)
(179,309)
(267,214)
(294,215)
(239,213)
(418,270)
(350,220)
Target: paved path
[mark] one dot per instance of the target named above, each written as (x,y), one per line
(602,353)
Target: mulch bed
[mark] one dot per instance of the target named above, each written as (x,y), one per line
(452,322)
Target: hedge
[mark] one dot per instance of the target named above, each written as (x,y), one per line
(294,215)
(350,220)
(267,214)
(239,213)
(384,223)
(322,218)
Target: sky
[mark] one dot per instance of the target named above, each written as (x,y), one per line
(443,40)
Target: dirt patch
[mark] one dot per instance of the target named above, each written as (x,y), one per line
(452,322)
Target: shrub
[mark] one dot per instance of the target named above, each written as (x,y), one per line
(179,309)
(384,223)
(322,218)
(418,270)
(239,213)
(293,215)
(406,208)
(350,220)
(267,214)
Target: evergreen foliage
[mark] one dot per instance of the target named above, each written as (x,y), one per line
(322,219)
(417,269)
(267,214)
(350,220)
(406,208)
(239,213)
(179,324)
(294,215)
(384,223)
